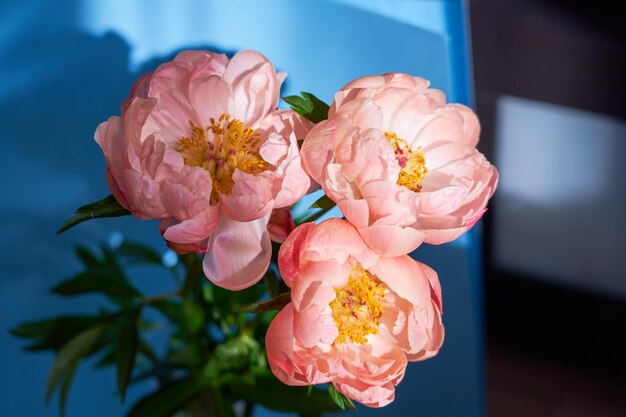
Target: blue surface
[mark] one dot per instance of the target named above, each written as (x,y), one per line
(65,67)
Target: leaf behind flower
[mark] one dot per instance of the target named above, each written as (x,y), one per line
(106,207)
(309,106)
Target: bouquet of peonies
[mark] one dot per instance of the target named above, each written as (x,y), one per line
(201,146)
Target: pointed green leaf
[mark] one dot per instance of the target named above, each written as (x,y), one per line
(138,253)
(299,104)
(70,356)
(107,207)
(309,106)
(89,259)
(336,396)
(341,400)
(126,344)
(54,333)
(324,202)
(320,109)
(97,281)
(273,394)
(170,399)
(65,387)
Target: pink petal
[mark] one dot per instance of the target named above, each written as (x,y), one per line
(391,240)
(238,253)
(289,254)
(193,230)
(254,85)
(279,343)
(209,98)
(356,211)
(315,325)
(281,224)
(405,277)
(250,198)
(317,149)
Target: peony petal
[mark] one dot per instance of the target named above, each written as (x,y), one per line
(391,240)
(238,253)
(289,254)
(279,343)
(406,277)
(281,224)
(317,149)
(250,198)
(255,86)
(315,325)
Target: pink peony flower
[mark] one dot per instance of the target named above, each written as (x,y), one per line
(355,319)
(400,163)
(201,147)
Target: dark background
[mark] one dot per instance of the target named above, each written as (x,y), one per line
(555,339)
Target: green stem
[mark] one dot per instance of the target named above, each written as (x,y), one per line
(249,409)
(223,407)
(194,273)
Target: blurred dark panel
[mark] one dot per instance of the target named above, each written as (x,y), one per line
(562,52)
(569,53)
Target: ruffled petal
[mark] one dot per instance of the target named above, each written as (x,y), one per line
(390,240)
(238,253)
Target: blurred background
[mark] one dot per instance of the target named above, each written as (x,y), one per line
(535,295)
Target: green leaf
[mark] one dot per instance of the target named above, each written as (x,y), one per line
(54,333)
(110,356)
(138,253)
(324,202)
(65,387)
(107,207)
(336,396)
(188,315)
(70,356)
(89,259)
(237,353)
(341,400)
(299,104)
(276,303)
(97,281)
(320,109)
(270,281)
(308,106)
(126,344)
(273,394)
(170,399)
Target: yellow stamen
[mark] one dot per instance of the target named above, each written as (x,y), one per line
(220,149)
(358,306)
(412,163)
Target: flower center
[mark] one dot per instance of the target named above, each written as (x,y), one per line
(225,145)
(412,163)
(358,306)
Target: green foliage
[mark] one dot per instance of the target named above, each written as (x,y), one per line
(126,343)
(171,398)
(324,202)
(68,359)
(114,286)
(107,207)
(215,352)
(309,106)
(273,394)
